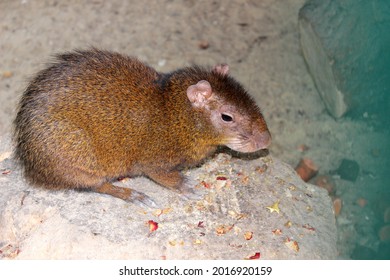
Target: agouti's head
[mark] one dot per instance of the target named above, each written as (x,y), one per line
(232,111)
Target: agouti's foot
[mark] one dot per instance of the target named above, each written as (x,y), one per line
(188,191)
(141,199)
(175,181)
(127,194)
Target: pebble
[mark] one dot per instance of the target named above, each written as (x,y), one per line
(337,205)
(326,182)
(7,74)
(384,233)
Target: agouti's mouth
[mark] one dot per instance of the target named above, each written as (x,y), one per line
(253,143)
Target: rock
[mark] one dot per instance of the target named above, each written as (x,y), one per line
(348,170)
(44,224)
(306,169)
(384,233)
(345,46)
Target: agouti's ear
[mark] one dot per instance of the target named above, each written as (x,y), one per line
(199,93)
(222,69)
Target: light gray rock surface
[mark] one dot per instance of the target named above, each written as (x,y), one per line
(42,224)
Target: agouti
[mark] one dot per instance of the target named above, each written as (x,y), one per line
(93,116)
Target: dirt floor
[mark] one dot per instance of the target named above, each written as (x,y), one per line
(260,42)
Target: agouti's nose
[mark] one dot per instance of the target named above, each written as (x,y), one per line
(262,140)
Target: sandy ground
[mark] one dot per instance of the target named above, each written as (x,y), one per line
(260,42)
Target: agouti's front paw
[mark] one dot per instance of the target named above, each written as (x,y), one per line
(175,181)
(141,199)
(188,191)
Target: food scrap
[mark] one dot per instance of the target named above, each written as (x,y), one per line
(245,180)
(5,171)
(197,242)
(288,224)
(159,212)
(254,257)
(174,243)
(200,224)
(153,226)
(274,207)
(309,227)
(261,169)
(248,235)
(292,187)
(205,184)
(293,245)
(9,251)
(221,230)
(277,231)
(237,216)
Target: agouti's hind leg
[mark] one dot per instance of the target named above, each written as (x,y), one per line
(126,194)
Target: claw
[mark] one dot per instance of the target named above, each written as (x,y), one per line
(142,200)
(187,191)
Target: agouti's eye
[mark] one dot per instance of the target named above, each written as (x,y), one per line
(226,118)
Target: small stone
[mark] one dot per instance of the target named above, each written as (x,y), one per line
(337,205)
(162,62)
(361,202)
(7,74)
(384,233)
(325,182)
(306,169)
(204,45)
(348,170)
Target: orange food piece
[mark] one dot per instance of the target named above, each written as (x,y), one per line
(384,233)
(255,256)
(277,231)
(221,230)
(152,225)
(292,244)
(248,235)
